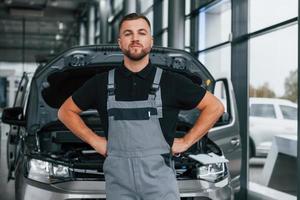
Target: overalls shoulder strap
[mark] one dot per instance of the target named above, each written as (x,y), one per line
(111,85)
(155,92)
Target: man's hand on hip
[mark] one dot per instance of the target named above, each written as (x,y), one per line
(179,146)
(100,145)
(69,115)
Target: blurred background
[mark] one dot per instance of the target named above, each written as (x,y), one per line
(34,31)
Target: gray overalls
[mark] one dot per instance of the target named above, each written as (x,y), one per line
(134,168)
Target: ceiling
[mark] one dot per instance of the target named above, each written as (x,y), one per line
(35,29)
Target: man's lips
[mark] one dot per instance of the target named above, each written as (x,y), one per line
(135,45)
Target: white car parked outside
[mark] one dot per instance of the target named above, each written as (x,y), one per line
(270,117)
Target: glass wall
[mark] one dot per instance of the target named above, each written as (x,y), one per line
(273,65)
(215,30)
(217,61)
(215,24)
(147,9)
(165,22)
(269,12)
(187,25)
(145,5)
(272,57)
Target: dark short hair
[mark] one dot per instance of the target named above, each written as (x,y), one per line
(133,16)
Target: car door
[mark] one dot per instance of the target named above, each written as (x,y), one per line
(226,134)
(13,134)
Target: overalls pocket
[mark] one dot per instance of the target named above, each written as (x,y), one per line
(104,164)
(169,161)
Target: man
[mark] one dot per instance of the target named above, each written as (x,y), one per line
(139,105)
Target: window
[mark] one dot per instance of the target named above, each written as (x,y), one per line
(187,7)
(117,4)
(217,61)
(272,57)
(149,15)
(288,112)
(165,23)
(187,34)
(262,110)
(165,39)
(215,24)
(145,5)
(220,93)
(269,12)
(165,13)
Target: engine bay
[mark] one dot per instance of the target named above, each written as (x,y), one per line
(84,163)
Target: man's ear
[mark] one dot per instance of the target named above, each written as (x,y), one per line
(152,42)
(119,42)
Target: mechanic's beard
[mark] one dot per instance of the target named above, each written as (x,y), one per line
(134,56)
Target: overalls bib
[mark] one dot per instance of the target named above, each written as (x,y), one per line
(134,168)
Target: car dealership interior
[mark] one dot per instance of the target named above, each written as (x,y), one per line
(243,51)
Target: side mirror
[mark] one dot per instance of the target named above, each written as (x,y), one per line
(13,116)
(223,120)
(221,91)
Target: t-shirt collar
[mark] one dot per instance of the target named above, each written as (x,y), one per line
(143,73)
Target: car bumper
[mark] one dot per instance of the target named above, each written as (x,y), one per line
(95,190)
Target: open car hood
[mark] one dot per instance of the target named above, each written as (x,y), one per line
(54,82)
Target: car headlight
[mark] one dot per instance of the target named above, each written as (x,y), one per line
(212,172)
(46,172)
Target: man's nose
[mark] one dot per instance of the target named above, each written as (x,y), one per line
(135,37)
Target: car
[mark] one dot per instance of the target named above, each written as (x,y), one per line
(47,161)
(270,117)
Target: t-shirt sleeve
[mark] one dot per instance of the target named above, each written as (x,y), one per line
(187,93)
(85,97)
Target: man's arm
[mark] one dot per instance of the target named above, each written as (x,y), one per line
(68,114)
(211,110)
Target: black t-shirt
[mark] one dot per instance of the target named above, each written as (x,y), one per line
(177,93)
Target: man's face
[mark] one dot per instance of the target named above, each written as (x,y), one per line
(135,39)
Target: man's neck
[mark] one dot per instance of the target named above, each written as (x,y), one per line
(136,66)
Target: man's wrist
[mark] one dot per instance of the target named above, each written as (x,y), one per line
(189,138)
(187,141)
(93,139)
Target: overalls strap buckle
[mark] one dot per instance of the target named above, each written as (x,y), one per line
(154,89)
(111,90)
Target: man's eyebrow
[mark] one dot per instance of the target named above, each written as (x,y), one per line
(128,30)
(142,29)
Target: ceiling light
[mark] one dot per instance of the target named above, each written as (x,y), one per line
(58,37)
(60,26)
